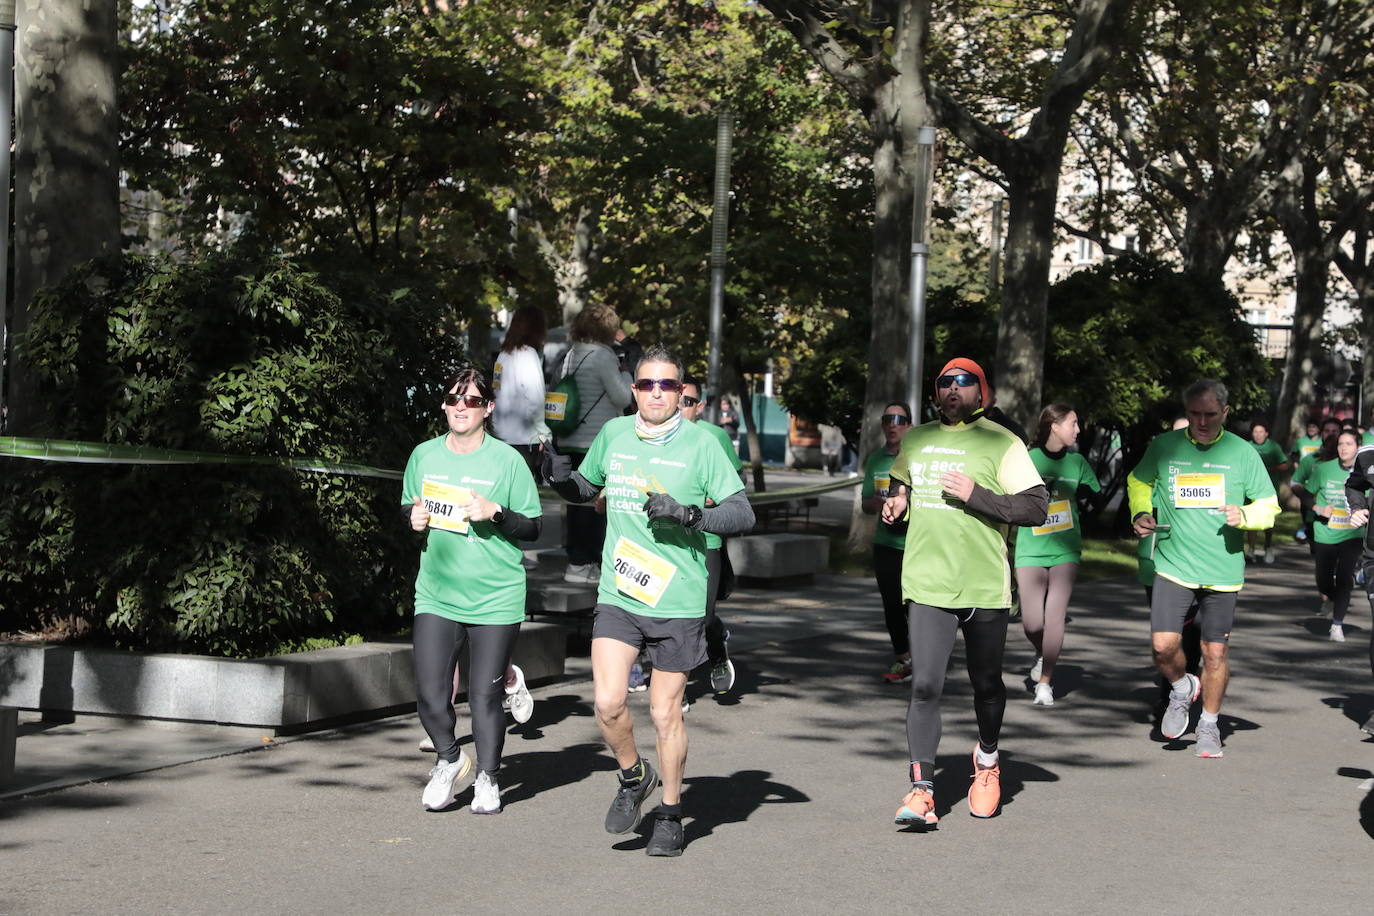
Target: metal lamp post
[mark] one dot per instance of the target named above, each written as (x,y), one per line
(920,254)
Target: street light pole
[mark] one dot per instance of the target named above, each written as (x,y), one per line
(720,222)
(7,25)
(920,254)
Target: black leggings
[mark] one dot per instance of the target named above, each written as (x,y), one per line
(438,642)
(931,633)
(715,627)
(887,569)
(1336,573)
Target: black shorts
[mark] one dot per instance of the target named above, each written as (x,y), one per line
(1170,603)
(672,643)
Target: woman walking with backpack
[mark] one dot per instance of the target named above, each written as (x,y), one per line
(602,393)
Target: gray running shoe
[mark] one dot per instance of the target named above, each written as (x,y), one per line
(1208,739)
(667,839)
(1175,719)
(624,814)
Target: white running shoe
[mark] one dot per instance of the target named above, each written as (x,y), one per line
(1269,556)
(427,745)
(1044,695)
(442,781)
(1037,668)
(518,699)
(583,573)
(486,795)
(1337,633)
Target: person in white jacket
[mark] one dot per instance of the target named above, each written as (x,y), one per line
(518,378)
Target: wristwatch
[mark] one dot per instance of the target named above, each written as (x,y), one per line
(693,516)
(498,516)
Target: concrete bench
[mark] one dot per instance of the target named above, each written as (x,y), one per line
(286,692)
(562,598)
(9,731)
(778,559)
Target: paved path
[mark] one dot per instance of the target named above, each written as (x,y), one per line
(790,792)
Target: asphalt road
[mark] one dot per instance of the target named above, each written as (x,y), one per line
(791,786)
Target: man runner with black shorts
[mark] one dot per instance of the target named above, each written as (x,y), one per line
(659,473)
(1202,487)
(960,480)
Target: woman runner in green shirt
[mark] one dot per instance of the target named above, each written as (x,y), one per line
(1336,541)
(474,497)
(1047,555)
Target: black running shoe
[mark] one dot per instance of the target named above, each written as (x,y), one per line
(624,814)
(667,838)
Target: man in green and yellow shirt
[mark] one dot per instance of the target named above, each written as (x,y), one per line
(960,481)
(1197,489)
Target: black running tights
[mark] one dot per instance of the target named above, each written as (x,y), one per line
(1336,573)
(438,642)
(931,631)
(887,569)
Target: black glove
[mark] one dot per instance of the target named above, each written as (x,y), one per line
(556,468)
(661,505)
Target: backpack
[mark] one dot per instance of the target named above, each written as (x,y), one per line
(562,405)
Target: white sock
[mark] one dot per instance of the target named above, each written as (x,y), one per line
(986,759)
(1183,686)
(1209,717)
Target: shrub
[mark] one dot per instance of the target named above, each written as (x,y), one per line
(229,353)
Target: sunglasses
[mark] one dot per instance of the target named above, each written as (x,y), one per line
(962,379)
(666,385)
(896,419)
(689,401)
(467,400)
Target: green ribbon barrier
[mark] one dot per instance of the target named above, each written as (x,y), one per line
(103,453)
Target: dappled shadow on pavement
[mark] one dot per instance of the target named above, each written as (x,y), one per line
(712,801)
(533,773)
(550,711)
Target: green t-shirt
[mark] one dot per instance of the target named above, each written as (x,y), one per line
(1191,483)
(1272,455)
(1326,483)
(472,577)
(956,558)
(1060,539)
(1367,437)
(658,571)
(1307,445)
(721,436)
(876,482)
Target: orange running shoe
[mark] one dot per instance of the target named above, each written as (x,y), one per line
(985,795)
(917,810)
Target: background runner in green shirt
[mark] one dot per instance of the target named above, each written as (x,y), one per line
(1304,453)
(888,542)
(1336,539)
(1275,462)
(1047,554)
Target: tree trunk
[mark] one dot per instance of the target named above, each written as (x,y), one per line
(1020,364)
(751,433)
(1304,346)
(66,178)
